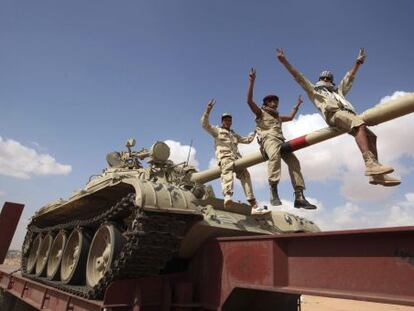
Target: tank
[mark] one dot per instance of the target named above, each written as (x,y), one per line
(135,220)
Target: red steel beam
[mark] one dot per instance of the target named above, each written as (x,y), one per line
(43,297)
(371,265)
(9,218)
(259,273)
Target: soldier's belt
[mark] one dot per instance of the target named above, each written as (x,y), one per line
(347,110)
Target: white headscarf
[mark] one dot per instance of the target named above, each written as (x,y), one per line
(333,90)
(329,86)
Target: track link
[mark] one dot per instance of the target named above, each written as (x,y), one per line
(151,242)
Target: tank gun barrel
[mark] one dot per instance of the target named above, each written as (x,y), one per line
(378,114)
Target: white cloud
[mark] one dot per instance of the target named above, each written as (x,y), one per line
(2,193)
(258,172)
(304,124)
(356,187)
(179,153)
(410,198)
(212,163)
(395,95)
(322,161)
(352,216)
(38,147)
(19,161)
(399,214)
(393,139)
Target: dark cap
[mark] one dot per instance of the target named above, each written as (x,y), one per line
(270,97)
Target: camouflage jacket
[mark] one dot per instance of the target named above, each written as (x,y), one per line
(267,126)
(327,102)
(225,141)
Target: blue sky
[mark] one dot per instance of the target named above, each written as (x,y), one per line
(78,78)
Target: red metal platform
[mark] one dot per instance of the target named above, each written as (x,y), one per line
(259,273)
(371,265)
(9,217)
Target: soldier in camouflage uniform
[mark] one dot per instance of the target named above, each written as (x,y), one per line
(339,113)
(269,131)
(226,151)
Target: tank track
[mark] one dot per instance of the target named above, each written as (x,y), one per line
(151,242)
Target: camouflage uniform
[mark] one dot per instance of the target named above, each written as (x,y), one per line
(269,130)
(336,110)
(225,143)
(340,113)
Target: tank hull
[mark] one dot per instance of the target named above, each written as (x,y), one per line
(157,222)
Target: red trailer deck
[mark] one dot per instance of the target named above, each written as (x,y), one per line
(260,273)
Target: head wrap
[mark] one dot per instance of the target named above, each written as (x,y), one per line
(326,74)
(324,85)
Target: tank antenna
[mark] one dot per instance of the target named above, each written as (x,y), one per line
(189,153)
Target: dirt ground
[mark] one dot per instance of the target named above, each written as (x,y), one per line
(309,303)
(313,303)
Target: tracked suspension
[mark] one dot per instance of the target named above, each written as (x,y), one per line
(152,240)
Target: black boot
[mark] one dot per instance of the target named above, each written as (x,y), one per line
(274,196)
(301,202)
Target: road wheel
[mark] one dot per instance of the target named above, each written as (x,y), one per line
(44,251)
(72,269)
(33,254)
(105,247)
(55,256)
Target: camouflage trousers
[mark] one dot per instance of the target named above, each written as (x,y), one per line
(227,180)
(272,148)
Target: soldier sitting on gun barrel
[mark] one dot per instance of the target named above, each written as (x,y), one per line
(339,113)
(269,131)
(225,141)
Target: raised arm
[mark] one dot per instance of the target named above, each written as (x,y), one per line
(359,61)
(299,77)
(205,123)
(346,82)
(245,139)
(295,108)
(252,78)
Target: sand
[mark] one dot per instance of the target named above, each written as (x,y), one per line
(313,303)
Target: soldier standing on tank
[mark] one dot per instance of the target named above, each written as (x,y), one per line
(269,131)
(226,151)
(339,113)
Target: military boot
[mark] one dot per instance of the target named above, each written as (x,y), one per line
(260,211)
(301,202)
(228,202)
(384,180)
(373,167)
(274,195)
(252,203)
(257,210)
